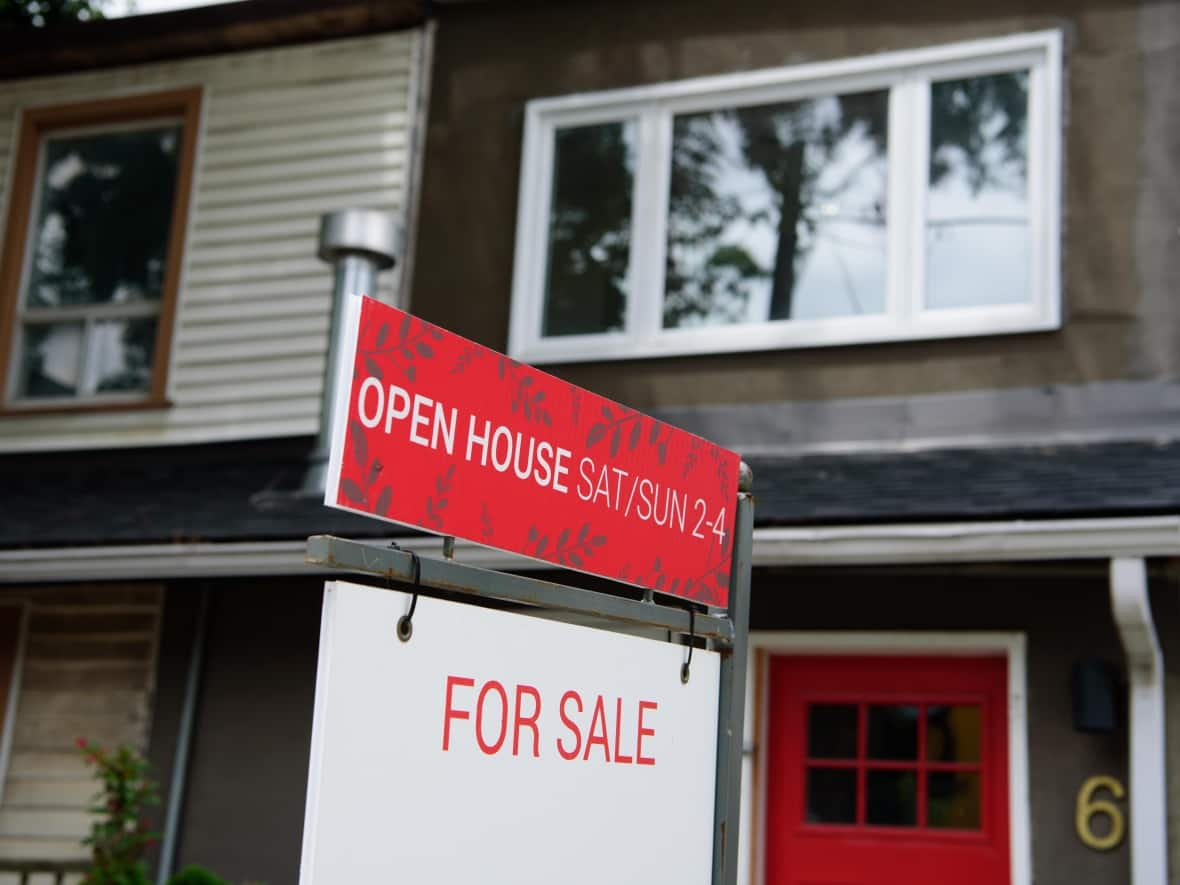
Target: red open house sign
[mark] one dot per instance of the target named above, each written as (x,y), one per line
(448,436)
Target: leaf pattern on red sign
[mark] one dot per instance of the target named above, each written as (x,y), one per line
(446,435)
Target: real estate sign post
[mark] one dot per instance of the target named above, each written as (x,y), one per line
(494,746)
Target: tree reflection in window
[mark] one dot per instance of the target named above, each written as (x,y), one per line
(977,242)
(106,207)
(590,229)
(778,212)
(95,276)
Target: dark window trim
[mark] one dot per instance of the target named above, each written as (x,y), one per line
(35,124)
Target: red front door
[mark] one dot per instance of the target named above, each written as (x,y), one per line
(887,771)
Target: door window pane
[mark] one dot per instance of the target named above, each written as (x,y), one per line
(891,798)
(977,222)
(778,212)
(953,800)
(831,731)
(893,732)
(953,733)
(104,218)
(586,285)
(831,796)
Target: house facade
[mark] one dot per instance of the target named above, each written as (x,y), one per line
(165,322)
(916,264)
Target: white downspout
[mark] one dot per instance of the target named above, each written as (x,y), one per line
(1131,608)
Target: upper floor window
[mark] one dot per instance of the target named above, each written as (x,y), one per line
(897,196)
(92,250)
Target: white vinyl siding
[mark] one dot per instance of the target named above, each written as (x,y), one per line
(287,134)
(87,670)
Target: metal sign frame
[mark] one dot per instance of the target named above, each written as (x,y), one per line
(726,630)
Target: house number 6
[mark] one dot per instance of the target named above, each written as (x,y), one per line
(1088,807)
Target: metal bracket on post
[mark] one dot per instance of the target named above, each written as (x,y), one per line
(731,709)
(449,576)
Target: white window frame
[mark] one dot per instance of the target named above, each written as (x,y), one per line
(907,76)
(766,644)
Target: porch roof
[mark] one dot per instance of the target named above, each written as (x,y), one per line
(249,491)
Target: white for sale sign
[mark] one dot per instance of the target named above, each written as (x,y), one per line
(495,747)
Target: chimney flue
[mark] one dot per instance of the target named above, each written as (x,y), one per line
(358,243)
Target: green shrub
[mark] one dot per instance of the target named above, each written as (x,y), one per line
(119,835)
(196,876)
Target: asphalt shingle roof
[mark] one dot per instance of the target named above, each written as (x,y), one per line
(248,491)
(1068,481)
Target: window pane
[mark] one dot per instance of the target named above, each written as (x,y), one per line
(831,731)
(104,216)
(892,798)
(977,223)
(831,796)
(778,212)
(121,355)
(952,733)
(953,800)
(893,732)
(51,360)
(589,229)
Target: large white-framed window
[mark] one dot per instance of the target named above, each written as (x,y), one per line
(898,196)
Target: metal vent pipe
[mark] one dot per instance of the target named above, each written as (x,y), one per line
(358,243)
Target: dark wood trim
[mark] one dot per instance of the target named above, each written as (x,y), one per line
(35,123)
(55,408)
(16,232)
(190,102)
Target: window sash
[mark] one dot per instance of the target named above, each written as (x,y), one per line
(908,77)
(88,373)
(38,126)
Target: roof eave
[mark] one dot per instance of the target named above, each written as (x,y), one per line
(188,33)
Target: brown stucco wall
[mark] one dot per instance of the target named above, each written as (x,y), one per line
(247,779)
(177,627)
(1064,612)
(492,58)
(1165,605)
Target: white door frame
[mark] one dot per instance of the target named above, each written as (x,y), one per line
(764,644)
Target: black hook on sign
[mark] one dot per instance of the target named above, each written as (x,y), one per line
(692,635)
(405,624)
